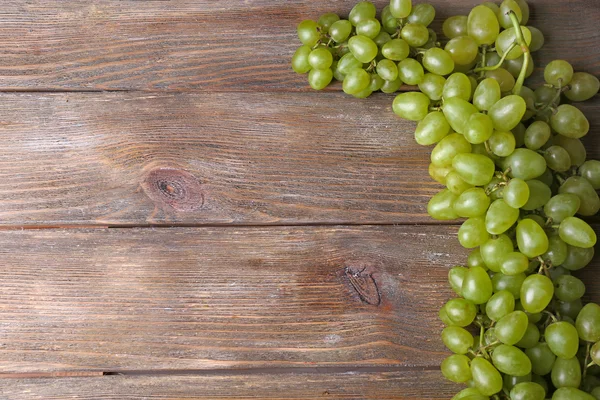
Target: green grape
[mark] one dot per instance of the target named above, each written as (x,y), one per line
(356,80)
(492,59)
(558,72)
(413,106)
(499,305)
(590,170)
(456,368)
(482,25)
(448,148)
(487,94)
(387,69)
(595,353)
(525,164)
(470,394)
(568,288)
(327,19)
(423,14)
(505,40)
(347,63)
(486,377)
(536,293)
(539,194)
(395,50)
(569,121)
(500,217)
(410,71)
(577,257)
(514,68)
(477,285)
(432,41)
(388,21)
(456,275)
(529,96)
(457,85)
(505,7)
(457,111)
(494,250)
(510,360)
(400,8)
(502,144)
(376,83)
(461,312)
(537,39)
(557,250)
(547,177)
(569,393)
(416,35)
(456,184)
(369,27)
(319,78)
(514,263)
(320,58)
(530,338)
(479,128)
(440,206)
(516,193)
(511,283)
(475,169)
(588,323)
(382,38)
(432,85)
(472,233)
(537,134)
(361,11)
(524,11)
(577,232)
(595,392)
(519,133)
(462,49)
(531,239)
(363,94)
(308,32)
(511,328)
(471,203)
(300,63)
(474,259)
(432,129)
(542,358)
(562,206)
(590,203)
(457,339)
(507,112)
(455,26)
(566,373)
(443,316)
(528,391)
(438,61)
(503,77)
(583,86)
(391,86)
(439,174)
(337,75)
(574,148)
(511,381)
(363,48)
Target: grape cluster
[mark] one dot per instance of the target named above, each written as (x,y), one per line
(513,167)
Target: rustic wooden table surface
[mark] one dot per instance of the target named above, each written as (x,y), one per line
(181,216)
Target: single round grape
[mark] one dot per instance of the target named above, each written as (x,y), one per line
(470,394)
(482,25)
(516,193)
(308,32)
(457,85)
(361,11)
(531,238)
(320,58)
(537,134)
(433,86)
(457,111)
(514,263)
(443,316)
(499,305)
(494,250)
(462,49)
(525,164)
(382,38)
(439,174)
(413,106)
(410,71)
(475,169)
(456,368)
(389,23)
(505,7)
(510,360)
(590,202)
(455,26)
(503,77)
(569,121)
(369,27)
(588,323)
(440,206)
(479,128)
(477,285)
(590,170)
(542,358)
(509,36)
(486,377)
(577,232)
(387,69)
(416,35)
(363,94)
(432,129)
(423,14)
(438,61)
(511,283)
(395,50)
(529,96)
(327,19)
(471,203)
(500,217)
(568,288)
(574,147)
(461,312)
(566,373)
(457,339)
(537,39)
(363,48)
(583,86)
(539,194)
(501,143)
(319,78)
(456,184)
(347,63)
(400,8)
(356,80)
(569,393)
(471,234)
(448,148)
(557,250)
(562,206)
(530,338)
(514,68)
(577,257)
(474,259)
(391,86)
(595,353)
(511,328)
(376,83)
(558,72)
(536,293)
(507,112)
(487,94)
(300,63)
(456,275)
(527,391)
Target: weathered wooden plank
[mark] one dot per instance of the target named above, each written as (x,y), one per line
(410,384)
(198,45)
(205,298)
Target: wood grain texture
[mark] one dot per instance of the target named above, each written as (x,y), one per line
(216,45)
(413,385)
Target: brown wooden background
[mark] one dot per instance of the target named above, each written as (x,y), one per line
(182,217)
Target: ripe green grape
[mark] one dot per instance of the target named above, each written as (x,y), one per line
(505,40)
(432,129)
(455,26)
(376,83)
(482,25)
(557,158)
(542,358)
(458,340)
(361,11)
(486,377)
(308,32)
(507,112)
(410,71)
(501,143)
(347,63)
(356,80)
(457,112)
(557,250)
(413,106)
(320,58)
(387,69)
(499,305)
(448,148)
(516,193)
(590,170)
(577,257)
(568,288)
(340,30)
(395,50)
(583,86)
(456,368)
(510,360)
(470,394)
(475,169)
(369,27)
(416,35)
(494,250)
(505,7)
(569,121)
(500,217)
(577,232)
(462,49)
(566,373)
(477,285)
(539,194)
(531,238)
(440,206)
(537,134)
(558,72)
(589,200)
(525,164)
(511,283)
(461,312)
(456,275)
(382,38)
(400,8)
(574,147)
(472,233)
(527,391)
(503,77)
(471,203)
(391,86)
(536,293)
(456,184)
(457,85)
(438,61)
(562,206)
(438,173)
(319,78)
(389,23)
(479,128)
(433,86)
(562,338)
(422,13)
(530,338)
(514,263)
(300,62)
(588,323)
(487,94)
(514,68)
(511,328)
(363,48)
(327,19)
(569,393)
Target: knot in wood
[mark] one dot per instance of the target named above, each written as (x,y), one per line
(362,281)
(175,188)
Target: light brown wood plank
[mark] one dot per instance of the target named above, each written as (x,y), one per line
(411,384)
(217,45)
(206,298)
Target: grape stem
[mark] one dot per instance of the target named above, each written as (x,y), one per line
(493,67)
(586,363)
(526,54)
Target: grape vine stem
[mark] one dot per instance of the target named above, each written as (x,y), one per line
(526,54)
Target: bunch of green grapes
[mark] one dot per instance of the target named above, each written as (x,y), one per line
(513,166)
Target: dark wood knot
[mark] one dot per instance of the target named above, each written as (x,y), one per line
(361,279)
(175,188)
